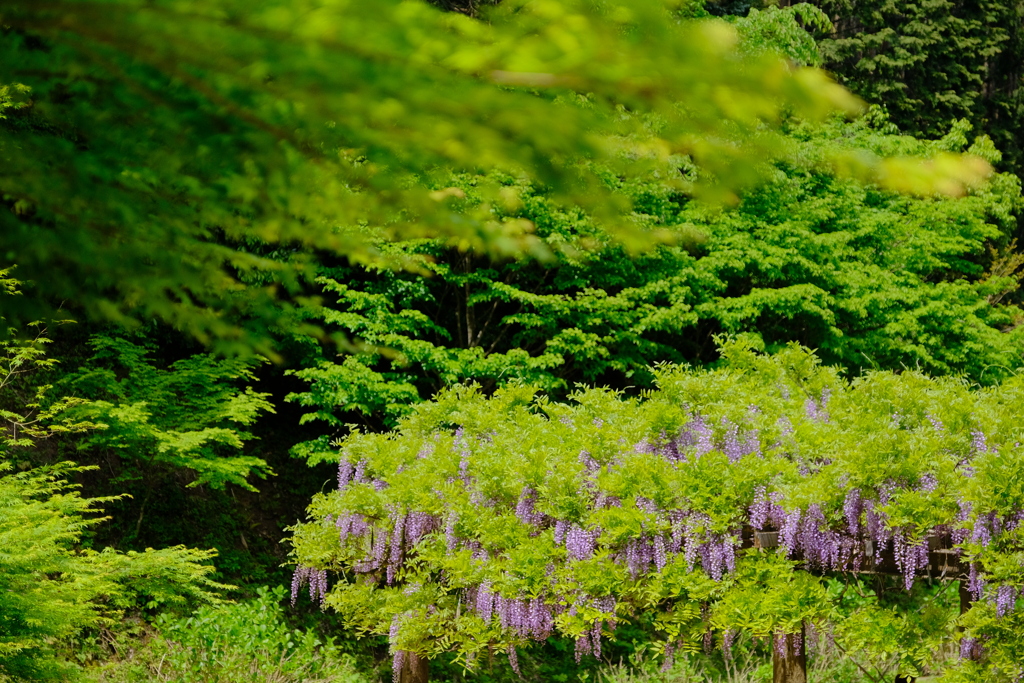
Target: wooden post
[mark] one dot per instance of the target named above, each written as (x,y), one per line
(965,597)
(790,667)
(415,669)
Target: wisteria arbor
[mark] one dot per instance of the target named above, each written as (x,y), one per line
(714,505)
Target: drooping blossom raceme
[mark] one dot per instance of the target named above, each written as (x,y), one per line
(561,527)
(910,556)
(525,511)
(788,532)
(978,442)
(853,506)
(485,601)
(397,656)
(590,465)
(732,446)
(513,660)
(647,505)
(693,537)
(639,555)
(397,554)
(961,532)
(987,526)
(971,649)
(677,522)
(580,542)
(660,552)
(728,638)
(352,524)
(705,438)
(669,659)
(359,475)
(346,470)
(449,531)
(1006,599)
(975,584)
(718,556)
(765,511)
(822,547)
(397,664)
(781,643)
(317,580)
(818,410)
(417,525)
(928,482)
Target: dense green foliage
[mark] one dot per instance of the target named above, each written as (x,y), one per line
(523,199)
(485,523)
(51,588)
(52,584)
(248,136)
(190,415)
(236,643)
(934,61)
(870,278)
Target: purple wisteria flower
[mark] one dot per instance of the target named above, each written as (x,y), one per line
(359,475)
(728,638)
(788,532)
(853,506)
(732,447)
(317,580)
(978,442)
(928,482)
(971,648)
(818,410)
(1006,599)
(589,464)
(669,660)
(975,583)
(525,508)
(580,542)
(910,556)
(451,540)
(397,664)
(346,470)
(961,533)
(765,511)
(705,438)
(561,528)
(418,524)
(513,660)
(397,554)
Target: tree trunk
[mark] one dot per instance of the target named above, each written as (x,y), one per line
(790,667)
(965,597)
(415,669)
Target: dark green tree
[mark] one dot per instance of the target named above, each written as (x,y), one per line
(188,160)
(930,62)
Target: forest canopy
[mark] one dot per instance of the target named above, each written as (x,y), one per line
(186,160)
(551,340)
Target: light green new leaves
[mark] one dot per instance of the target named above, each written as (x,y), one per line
(190,415)
(818,436)
(51,589)
(186,159)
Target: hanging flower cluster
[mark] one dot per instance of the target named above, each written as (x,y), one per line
(496,522)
